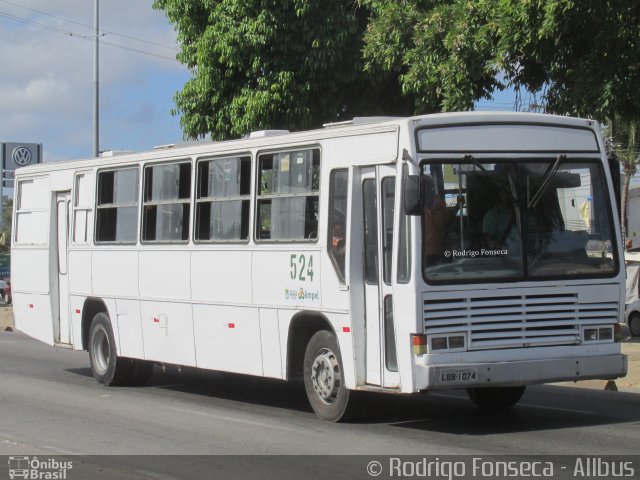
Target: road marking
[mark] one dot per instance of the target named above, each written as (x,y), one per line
(60,451)
(541,407)
(239,420)
(444,395)
(558,409)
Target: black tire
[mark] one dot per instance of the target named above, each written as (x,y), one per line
(324,378)
(495,398)
(634,324)
(106,366)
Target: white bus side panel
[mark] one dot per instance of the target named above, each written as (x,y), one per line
(221,276)
(32,314)
(361,149)
(167,331)
(165,275)
(31,300)
(228,338)
(80,272)
(271,347)
(290,278)
(76,303)
(114,273)
(129,328)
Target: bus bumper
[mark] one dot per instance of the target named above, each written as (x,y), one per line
(512,373)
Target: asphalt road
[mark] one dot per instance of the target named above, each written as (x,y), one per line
(51,405)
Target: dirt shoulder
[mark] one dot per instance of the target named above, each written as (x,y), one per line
(6,317)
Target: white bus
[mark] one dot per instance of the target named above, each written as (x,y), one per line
(397,255)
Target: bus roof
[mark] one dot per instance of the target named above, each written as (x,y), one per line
(357,126)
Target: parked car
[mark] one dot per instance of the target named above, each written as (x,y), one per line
(632,317)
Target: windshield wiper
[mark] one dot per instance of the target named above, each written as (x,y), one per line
(548,175)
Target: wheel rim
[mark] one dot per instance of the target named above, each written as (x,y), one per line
(100,350)
(325,376)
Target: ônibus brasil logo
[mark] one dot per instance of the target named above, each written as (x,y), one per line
(33,468)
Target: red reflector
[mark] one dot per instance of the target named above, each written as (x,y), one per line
(419,339)
(156,320)
(77,310)
(31,305)
(346,329)
(232,325)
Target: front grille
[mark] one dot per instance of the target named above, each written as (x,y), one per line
(516,320)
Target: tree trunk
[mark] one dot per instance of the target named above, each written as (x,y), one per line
(626,180)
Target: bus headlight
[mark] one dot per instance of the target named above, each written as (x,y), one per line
(598,334)
(454,341)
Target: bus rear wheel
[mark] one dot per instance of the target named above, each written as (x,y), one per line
(324,378)
(106,366)
(495,398)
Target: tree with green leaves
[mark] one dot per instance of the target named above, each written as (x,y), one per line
(628,152)
(580,58)
(585,56)
(260,64)
(443,52)
(299,63)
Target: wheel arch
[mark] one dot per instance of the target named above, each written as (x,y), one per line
(92,306)
(302,327)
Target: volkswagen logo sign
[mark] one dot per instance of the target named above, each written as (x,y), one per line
(21,156)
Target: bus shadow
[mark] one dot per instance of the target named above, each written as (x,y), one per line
(232,386)
(544,407)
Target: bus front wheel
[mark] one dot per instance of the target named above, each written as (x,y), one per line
(324,378)
(106,366)
(495,398)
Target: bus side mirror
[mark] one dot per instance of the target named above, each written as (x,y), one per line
(418,193)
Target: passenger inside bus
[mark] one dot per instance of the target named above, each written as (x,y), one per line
(499,221)
(437,223)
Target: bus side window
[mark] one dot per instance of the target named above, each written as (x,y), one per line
(288,195)
(336,243)
(82,208)
(117,207)
(222,203)
(167,195)
(404,243)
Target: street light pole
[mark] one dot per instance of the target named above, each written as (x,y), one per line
(96,78)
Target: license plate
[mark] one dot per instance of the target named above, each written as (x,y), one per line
(459,375)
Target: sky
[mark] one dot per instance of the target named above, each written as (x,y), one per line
(46,79)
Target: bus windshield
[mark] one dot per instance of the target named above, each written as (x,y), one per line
(507,220)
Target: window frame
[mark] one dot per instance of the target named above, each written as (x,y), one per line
(341,273)
(20,210)
(144,203)
(311,193)
(587,158)
(88,209)
(96,194)
(220,199)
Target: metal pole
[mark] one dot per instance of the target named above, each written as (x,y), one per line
(96,77)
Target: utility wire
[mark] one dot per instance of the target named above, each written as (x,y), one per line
(81,36)
(90,26)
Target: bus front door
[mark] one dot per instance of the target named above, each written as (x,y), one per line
(62,330)
(378,200)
